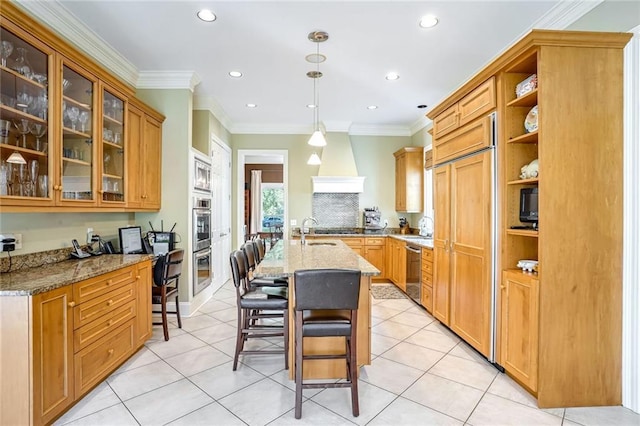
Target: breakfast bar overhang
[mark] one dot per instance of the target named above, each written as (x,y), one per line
(288,256)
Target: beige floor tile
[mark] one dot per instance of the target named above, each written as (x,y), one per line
(143,357)
(198,322)
(221,381)
(260,403)
(214,305)
(394,329)
(433,340)
(175,345)
(381,344)
(494,410)
(162,405)
(415,319)
(213,413)
(389,375)
(312,414)
(383,312)
(143,379)
(282,377)
(467,372)
(266,364)
(414,356)
(226,315)
(397,304)
(215,333)
(445,396)
(115,415)
(589,416)
(197,360)
(372,401)
(408,413)
(463,350)
(505,387)
(158,333)
(98,399)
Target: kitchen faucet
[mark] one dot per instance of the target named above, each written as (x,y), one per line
(312,219)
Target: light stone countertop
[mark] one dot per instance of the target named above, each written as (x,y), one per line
(49,277)
(288,256)
(416,240)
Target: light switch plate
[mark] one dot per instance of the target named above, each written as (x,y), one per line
(293,222)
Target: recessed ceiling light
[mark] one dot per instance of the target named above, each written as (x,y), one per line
(252,105)
(372,107)
(392,76)
(235,74)
(311,106)
(206,15)
(422,106)
(428,21)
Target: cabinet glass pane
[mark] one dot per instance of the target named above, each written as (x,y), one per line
(112,148)
(24,106)
(77,139)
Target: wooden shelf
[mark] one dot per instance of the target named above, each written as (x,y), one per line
(527,100)
(24,150)
(526,138)
(523,232)
(523,182)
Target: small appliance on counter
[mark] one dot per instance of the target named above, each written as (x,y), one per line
(423,225)
(371,218)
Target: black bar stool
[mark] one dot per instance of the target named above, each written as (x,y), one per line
(166,274)
(326,304)
(253,307)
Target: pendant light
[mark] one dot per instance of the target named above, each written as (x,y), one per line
(317,138)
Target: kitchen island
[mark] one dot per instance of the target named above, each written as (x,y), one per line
(288,256)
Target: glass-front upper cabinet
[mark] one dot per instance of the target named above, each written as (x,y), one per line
(78,130)
(25,166)
(113,113)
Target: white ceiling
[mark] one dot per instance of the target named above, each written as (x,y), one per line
(267,42)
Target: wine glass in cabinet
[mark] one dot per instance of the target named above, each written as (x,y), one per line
(112,147)
(78,134)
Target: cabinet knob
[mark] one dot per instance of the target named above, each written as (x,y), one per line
(101,191)
(71,304)
(110,352)
(109,282)
(109,323)
(110,302)
(144,196)
(57,187)
(138,277)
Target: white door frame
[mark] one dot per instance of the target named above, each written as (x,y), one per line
(242,156)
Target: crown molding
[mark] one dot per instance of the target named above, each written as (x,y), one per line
(56,17)
(337,126)
(273,129)
(419,124)
(565,13)
(168,80)
(211,105)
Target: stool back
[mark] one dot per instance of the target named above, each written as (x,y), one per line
(327,289)
(260,248)
(168,267)
(239,271)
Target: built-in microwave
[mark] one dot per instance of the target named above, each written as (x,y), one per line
(201,175)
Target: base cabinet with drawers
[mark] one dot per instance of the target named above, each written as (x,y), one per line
(426,297)
(57,345)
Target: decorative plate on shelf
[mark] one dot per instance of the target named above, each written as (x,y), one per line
(527,85)
(531,120)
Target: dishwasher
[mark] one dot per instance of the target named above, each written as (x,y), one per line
(414,287)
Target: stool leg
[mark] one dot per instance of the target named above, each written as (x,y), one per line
(165,324)
(298,363)
(353,365)
(286,338)
(239,338)
(178,312)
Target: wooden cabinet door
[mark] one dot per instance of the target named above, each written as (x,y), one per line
(152,163)
(401,183)
(470,250)
(53,389)
(441,241)
(446,121)
(135,119)
(375,256)
(519,327)
(479,102)
(143,311)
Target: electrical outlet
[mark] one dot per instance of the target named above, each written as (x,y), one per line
(293,222)
(89,235)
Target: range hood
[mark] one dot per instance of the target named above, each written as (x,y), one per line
(338,172)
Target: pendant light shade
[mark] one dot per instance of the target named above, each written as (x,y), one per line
(317,138)
(16,158)
(314,160)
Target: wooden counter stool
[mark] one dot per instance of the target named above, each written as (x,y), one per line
(253,306)
(166,273)
(326,304)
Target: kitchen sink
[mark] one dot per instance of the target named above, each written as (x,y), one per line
(321,244)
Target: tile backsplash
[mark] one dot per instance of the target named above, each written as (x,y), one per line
(336,209)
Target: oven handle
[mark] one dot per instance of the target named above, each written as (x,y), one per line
(202,253)
(413,249)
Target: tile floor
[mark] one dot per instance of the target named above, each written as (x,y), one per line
(421,374)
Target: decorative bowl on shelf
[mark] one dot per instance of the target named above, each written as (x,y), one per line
(527,85)
(528,265)
(531,120)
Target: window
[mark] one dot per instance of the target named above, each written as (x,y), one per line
(272,206)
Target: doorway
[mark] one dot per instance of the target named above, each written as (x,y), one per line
(246,157)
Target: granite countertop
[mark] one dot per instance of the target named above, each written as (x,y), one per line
(287,256)
(415,239)
(49,277)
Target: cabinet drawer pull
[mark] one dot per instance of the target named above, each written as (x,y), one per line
(109,282)
(110,302)
(110,352)
(137,277)
(109,323)
(71,304)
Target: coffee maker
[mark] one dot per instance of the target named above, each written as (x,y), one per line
(371,218)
